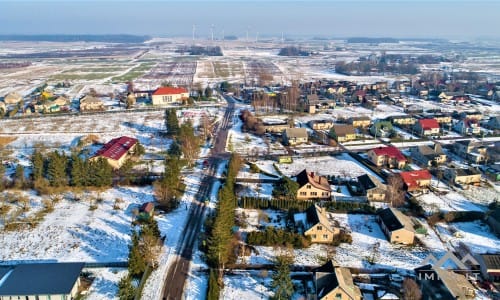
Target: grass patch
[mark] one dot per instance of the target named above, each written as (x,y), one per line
(135,72)
(89,76)
(5,140)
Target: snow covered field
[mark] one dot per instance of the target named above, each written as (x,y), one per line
(476,235)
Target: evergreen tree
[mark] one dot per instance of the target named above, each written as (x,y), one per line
(175,150)
(282,282)
(171,121)
(19,179)
(56,169)
(136,262)
(2,174)
(37,162)
(286,188)
(77,171)
(126,290)
(100,172)
(213,286)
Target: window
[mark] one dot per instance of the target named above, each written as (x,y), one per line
(313,236)
(325,236)
(314,193)
(303,193)
(325,194)
(319,227)
(308,186)
(338,296)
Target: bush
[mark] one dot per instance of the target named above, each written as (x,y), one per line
(342,237)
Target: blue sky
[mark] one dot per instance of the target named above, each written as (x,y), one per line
(334,18)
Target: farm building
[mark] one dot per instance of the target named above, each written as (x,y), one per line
(117,151)
(396,226)
(169,95)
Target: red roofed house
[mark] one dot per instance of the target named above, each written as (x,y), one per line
(169,95)
(416,180)
(312,186)
(427,127)
(117,151)
(387,156)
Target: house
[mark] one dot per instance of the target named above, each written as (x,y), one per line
(427,127)
(3,108)
(358,122)
(417,180)
(475,152)
(381,128)
(477,115)
(169,95)
(490,266)
(41,281)
(146,210)
(321,124)
(437,283)
(428,156)
(403,120)
(467,126)
(294,136)
(396,226)
(335,283)
(90,103)
(275,125)
(372,188)
(314,224)
(453,96)
(463,175)
(494,123)
(387,156)
(312,186)
(52,106)
(343,133)
(117,151)
(443,119)
(12,98)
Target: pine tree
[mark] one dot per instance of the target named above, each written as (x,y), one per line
(213,286)
(56,169)
(77,171)
(136,262)
(37,162)
(282,282)
(19,177)
(175,150)
(126,290)
(171,121)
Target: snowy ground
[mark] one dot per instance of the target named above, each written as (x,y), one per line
(452,201)
(476,235)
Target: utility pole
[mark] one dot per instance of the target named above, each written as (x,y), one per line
(194,30)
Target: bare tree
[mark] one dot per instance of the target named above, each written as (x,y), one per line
(395,190)
(411,290)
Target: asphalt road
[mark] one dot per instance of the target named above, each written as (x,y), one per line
(177,273)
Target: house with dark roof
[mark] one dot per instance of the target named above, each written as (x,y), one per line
(312,186)
(43,281)
(417,180)
(343,133)
(475,152)
(117,151)
(427,127)
(373,189)
(334,282)
(357,122)
(387,156)
(295,136)
(468,126)
(314,224)
(428,156)
(169,95)
(438,283)
(396,226)
(463,175)
(321,124)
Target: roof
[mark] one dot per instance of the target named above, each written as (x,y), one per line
(491,261)
(343,130)
(411,178)
(315,216)
(41,279)
(366,182)
(466,172)
(455,283)
(116,148)
(169,91)
(331,279)
(360,119)
(393,219)
(389,151)
(428,123)
(296,132)
(90,99)
(317,181)
(147,207)
(428,150)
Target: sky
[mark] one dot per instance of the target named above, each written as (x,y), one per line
(456,19)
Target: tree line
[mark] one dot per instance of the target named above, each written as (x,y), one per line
(219,248)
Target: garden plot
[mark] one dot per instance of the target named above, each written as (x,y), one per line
(267,166)
(258,190)
(370,244)
(475,235)
(256,219)
(247,285)
(451,201)
(105,284)
(74,232)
